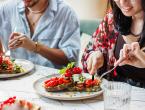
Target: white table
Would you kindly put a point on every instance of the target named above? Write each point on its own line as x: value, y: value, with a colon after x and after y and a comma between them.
x: 22, y: 87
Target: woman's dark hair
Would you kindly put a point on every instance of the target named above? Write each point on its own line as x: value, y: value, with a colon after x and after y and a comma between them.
x: 123, y: 23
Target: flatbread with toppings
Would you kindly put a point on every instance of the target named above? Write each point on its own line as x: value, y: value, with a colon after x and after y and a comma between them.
x: 72, y: 79
x: 8, y: 66
x: 14, y: 104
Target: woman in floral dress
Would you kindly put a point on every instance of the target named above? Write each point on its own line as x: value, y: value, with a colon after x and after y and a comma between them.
x: 121, y: 35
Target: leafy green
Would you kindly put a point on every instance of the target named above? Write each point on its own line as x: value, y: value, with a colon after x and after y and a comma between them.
x: 13, y: 60
x: 4, y: 66
x: 79, y: 78
x: 69, y: 65
x: 18, y: 69
x: 82, y: 79
x: 62, y: 71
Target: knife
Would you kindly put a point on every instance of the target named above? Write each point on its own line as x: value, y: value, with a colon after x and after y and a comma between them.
x: 93, y: 77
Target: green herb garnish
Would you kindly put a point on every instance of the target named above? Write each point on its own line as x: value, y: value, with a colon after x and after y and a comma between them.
x: 69, y: 65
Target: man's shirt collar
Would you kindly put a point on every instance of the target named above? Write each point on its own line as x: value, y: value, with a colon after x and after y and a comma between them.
x: 52, y: 5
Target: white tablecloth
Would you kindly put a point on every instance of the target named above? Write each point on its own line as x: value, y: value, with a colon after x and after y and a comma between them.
x: 22, y: 87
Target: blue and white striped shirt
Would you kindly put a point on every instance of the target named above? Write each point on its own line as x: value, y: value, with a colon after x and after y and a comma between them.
x: 58, y: 27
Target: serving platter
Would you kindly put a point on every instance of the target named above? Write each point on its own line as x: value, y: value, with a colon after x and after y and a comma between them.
x: 62, y: 95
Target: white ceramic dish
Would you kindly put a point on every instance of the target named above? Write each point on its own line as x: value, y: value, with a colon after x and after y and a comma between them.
x: 38, y: 86
x: 28, y: 66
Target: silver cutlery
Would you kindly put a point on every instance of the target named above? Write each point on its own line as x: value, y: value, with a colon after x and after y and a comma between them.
x: 109, y: 71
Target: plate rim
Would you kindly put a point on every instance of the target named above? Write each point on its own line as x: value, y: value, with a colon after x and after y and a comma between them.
x: 62, y: 98
x: 3, y: 76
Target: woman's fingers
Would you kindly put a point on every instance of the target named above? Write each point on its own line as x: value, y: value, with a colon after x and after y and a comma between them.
x: 120, y: 58
x: 135, y: 47
x: 127, y: 54
x: 95, y: 61
x: 89, y: 64
x: 131, y: 54
x: 126, y: 49
x: 94, y: 67
x: 137, y: 52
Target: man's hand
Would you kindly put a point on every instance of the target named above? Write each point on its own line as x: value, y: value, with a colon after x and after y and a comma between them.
x: 20, y: 40
x: 95, y: 61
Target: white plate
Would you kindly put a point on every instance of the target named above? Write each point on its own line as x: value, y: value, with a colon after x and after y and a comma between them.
x: 38, y: 86
x: 28, y: 66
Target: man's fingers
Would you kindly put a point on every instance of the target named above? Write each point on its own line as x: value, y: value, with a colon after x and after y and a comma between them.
x: 14, y: 34
x: 15, y: 42
x: 12, y: 42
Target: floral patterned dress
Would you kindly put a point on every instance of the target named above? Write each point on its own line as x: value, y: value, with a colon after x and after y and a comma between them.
x: 103, y: 39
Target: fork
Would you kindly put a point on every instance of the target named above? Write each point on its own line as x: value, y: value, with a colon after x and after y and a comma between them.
x: 109, y: 71
x: 5, y: 50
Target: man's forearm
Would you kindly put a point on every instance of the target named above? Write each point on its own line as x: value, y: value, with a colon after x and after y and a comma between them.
x: 1, y: 47
x: 56, y: 56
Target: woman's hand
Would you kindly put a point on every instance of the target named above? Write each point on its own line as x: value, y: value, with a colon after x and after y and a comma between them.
x: 20, y: 40
x: 95, y: 61
x: 132, y: 55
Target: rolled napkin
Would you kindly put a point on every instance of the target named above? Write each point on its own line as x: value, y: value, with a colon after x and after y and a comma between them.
x: 14, y: 104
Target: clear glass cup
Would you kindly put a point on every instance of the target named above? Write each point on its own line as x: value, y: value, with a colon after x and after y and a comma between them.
x: 117, y: 95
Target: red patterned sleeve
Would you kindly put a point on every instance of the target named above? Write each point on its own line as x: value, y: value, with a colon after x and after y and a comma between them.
x: 103, y: 39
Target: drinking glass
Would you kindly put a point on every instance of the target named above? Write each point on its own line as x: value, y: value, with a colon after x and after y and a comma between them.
x: 117, y: 95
